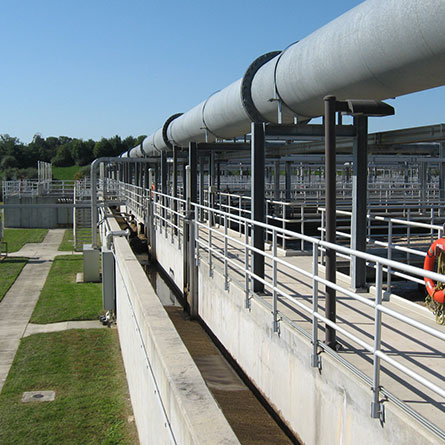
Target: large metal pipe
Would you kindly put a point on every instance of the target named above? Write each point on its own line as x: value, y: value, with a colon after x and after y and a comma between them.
x: 380, y: 49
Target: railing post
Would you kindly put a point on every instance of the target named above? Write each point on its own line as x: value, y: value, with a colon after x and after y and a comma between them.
x: 246, y: 266
x: 190, y: 233
x: 389, y: 270
x: 377, y: 408
x: 276, y: 325
x: 209, y: 225
x: 315, y: 359
x: 226, y: 278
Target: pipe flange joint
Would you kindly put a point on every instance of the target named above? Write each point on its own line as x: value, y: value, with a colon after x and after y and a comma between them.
x: 279, y: 97
x: 165, y: 127
x: 246, y: 86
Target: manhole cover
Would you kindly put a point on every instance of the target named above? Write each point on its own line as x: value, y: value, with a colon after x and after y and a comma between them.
x: 38, y: 396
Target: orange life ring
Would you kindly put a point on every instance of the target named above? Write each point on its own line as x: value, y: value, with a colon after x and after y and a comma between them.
x: 437, y: 295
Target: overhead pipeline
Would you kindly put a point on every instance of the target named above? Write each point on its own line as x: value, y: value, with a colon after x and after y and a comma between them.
x: 380, y: 49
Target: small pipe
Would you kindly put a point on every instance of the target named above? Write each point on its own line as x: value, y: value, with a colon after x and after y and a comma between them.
x: 110, y: 235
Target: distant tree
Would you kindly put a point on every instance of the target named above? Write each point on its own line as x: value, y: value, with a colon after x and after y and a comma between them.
x: 40, y: 146
x: 63, y: 157
x: 82, y: 151
x: 103, y: 148
x: 28, y: 173
x: 118, y: 146
x: 8, y: 161
x: 129, y: 142
x: 64, y: 140
x: 9, y: 145
x: 140, y: 139
x: 47, y: 147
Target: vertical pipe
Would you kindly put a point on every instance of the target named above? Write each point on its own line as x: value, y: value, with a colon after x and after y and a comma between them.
x: 441, y: 178
x: 192, y: 285
x: 257, y: 199
x: 164, y: 186
x: 175, y: 188
x: 276, y: 327
x: 93, y: 205
x: 330, y: 172
x: 201, y: 187
x: 376, y: 409
x: 315, y: 358
x: 151, y: 218
x: 277, y: 180
x: 288, y: 179
x: 359, y: 200
x: 212, y: 181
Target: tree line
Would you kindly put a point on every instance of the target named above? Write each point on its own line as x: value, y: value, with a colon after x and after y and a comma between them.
x: 20, y: 160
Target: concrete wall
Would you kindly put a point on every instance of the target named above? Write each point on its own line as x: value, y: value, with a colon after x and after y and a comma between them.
x: 331, y: 406
x: 37, y: 217
x: 171, y: 402
x: 170, y: 257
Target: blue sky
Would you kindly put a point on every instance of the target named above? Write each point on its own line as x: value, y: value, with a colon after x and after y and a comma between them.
x: 97, y: 68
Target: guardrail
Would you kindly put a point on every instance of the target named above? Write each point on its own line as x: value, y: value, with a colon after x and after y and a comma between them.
x: 213, y: 246
x: 33, y: 188
x: 232, y: 256
x: 394, y: 235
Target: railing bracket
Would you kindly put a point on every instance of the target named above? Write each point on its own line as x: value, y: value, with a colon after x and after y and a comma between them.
x: 316, y: 361
x: 378, y: 411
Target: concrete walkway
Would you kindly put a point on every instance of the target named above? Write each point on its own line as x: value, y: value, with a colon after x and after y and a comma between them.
x: 18, y: 304
x: 62, y: 326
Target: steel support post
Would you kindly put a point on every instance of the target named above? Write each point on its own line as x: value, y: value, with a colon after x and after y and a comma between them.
x: 359, y: 201
x: 276, y: 180
x: 257, y: 198
x: 147, y: 184
x: 175, y: 187
x: 211, y: 187
x: 218, y: 176
x: 201, y: 187
x: 442, y: 179
x: 330, y: 174
x: 164, y: 184
x: 422, y: 179
x: 189, y: 247
x: 151, y: 219
x: 288, y: 179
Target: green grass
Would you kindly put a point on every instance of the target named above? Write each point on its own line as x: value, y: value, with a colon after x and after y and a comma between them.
x: 65, y: 173
x: 85, y: 369
x: 17, y: 238
x: 10, y: 269
x: 62, y: 299
x: 67, y: 243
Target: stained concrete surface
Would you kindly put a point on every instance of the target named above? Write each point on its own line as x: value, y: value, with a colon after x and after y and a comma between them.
x: 248, y: 418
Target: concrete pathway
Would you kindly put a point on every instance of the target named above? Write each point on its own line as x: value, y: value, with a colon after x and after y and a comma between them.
x: 62, y: 326
x: 19, y: 302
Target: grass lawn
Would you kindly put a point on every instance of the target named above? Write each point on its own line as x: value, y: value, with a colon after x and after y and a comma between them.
x: 17, y: 238
x: 67, y: 242
x: 65, y: 173
x: 84, y: 368
x: 10, y: 269
x: 62, y: 299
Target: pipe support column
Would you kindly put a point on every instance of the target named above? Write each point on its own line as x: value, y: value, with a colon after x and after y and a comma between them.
x: 330, y: 172
x: 359, y: 201
x: 257, y: 199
